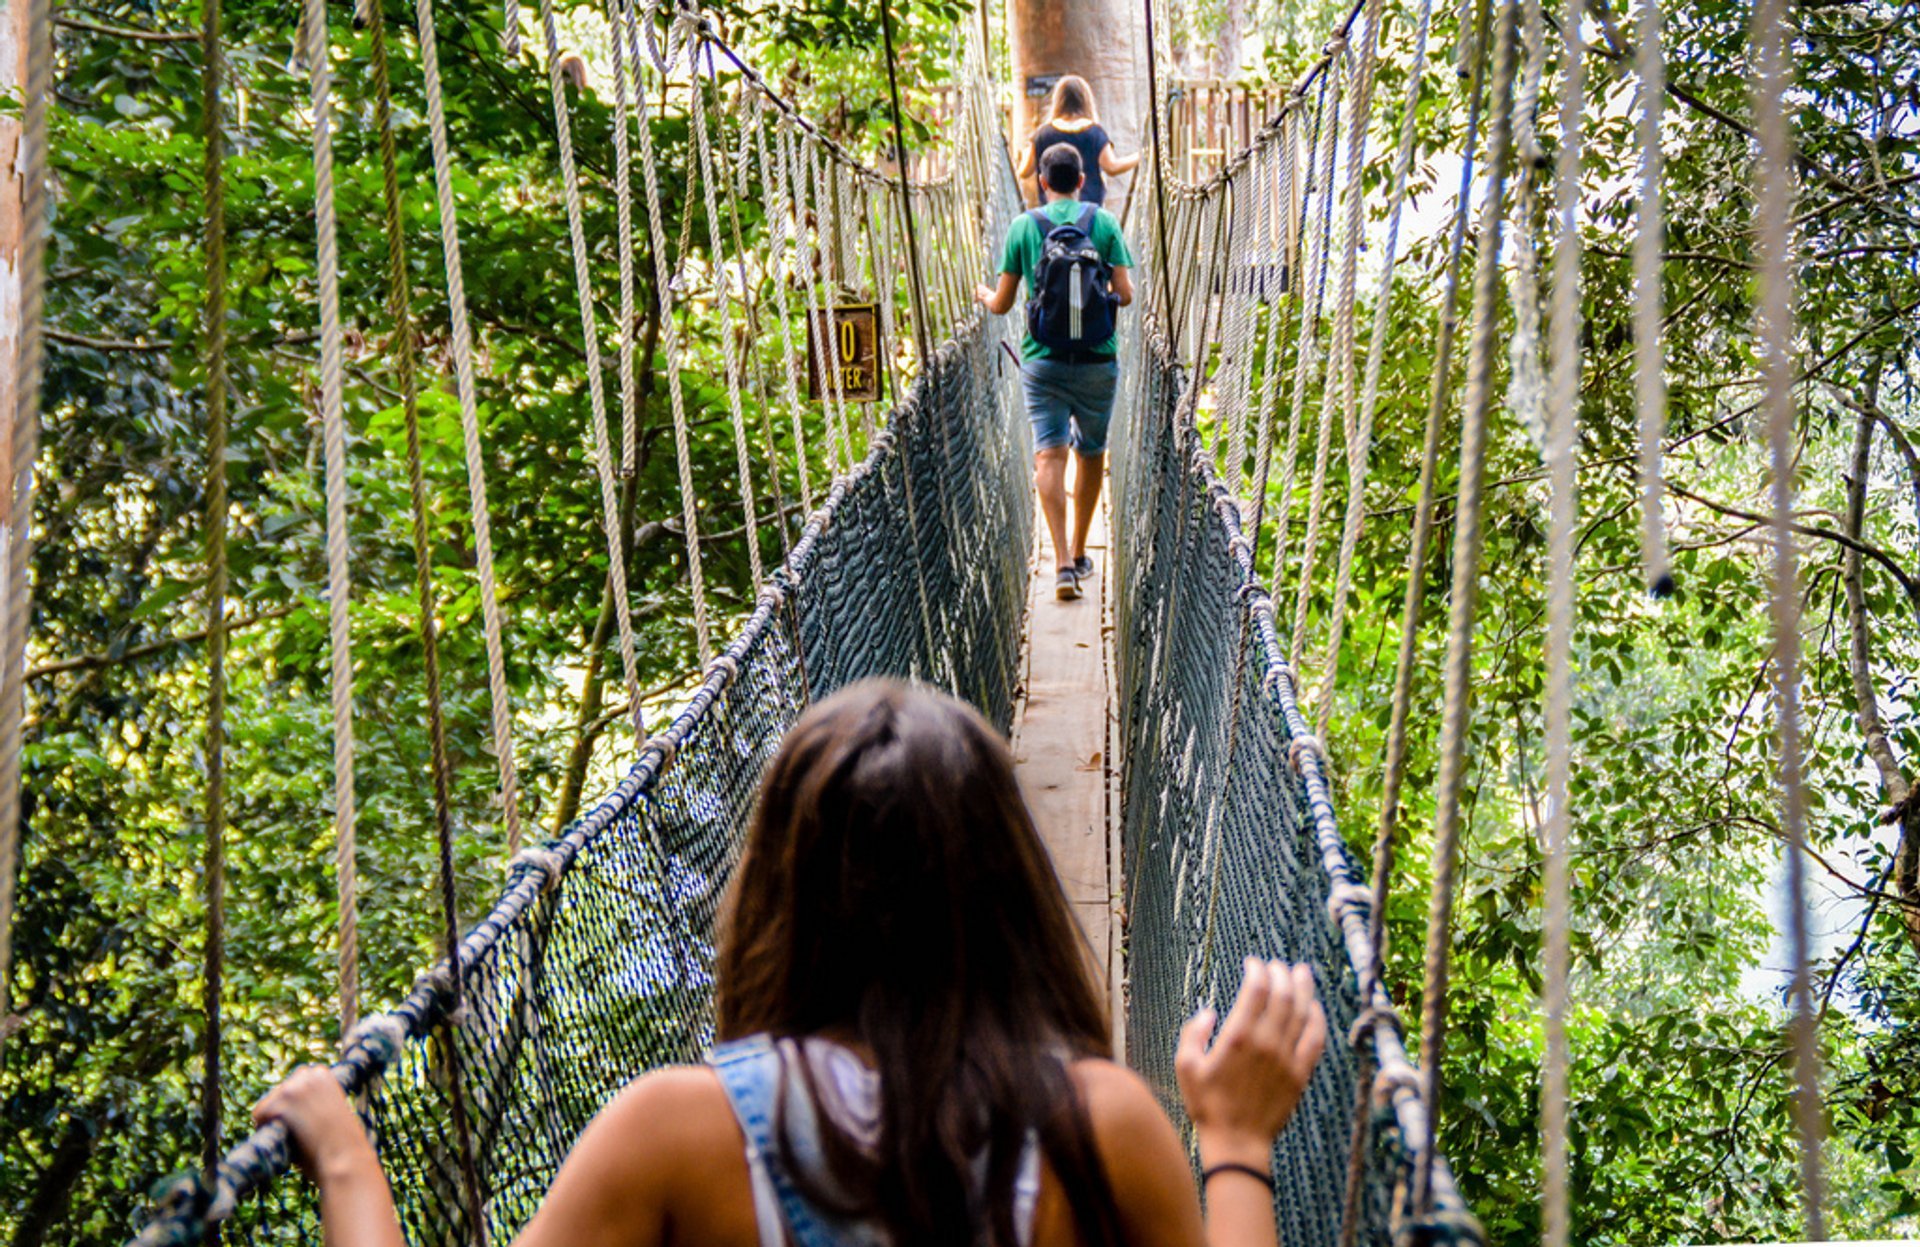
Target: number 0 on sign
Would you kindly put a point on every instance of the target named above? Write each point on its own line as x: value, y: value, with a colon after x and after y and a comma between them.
x: 852, y: 346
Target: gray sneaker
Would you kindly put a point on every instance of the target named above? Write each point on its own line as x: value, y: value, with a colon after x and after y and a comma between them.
x: 1083, y: 566
x: 1066, y: 585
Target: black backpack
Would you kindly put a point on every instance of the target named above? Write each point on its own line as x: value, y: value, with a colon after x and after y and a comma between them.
x: 1072, y: 308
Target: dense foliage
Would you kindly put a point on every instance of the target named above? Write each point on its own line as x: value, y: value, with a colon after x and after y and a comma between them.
x: 1680, y: 1122
x: 100, y: 1075
x: 1680, y: 1125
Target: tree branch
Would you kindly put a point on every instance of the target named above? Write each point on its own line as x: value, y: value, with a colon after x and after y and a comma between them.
x: 128, y: 32
x: 1855, y: 544
x: 108, y: 658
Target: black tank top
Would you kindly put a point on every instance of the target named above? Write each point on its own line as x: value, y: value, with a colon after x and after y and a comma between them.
x: 1089, y: 142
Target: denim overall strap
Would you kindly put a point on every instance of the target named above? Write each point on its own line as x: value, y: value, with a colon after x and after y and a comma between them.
x: 749, y: 1071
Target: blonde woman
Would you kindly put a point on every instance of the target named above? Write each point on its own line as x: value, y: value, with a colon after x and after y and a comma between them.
x: 1073, y: 120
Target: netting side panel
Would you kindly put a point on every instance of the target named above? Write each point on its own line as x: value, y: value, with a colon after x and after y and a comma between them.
x: 596, y: 963
x: 1221, y: 853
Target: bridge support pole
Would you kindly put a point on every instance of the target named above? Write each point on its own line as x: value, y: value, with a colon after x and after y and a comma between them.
x: 1103, y: 42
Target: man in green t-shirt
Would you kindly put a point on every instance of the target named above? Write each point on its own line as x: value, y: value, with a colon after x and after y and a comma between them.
x: 1069, y: 395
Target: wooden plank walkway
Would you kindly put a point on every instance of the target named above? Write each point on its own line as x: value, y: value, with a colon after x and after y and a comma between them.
x: 1060, y: 736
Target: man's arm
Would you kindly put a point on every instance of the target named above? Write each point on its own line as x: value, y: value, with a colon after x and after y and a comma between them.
x: 1123, y: 285
x: 998, y: 299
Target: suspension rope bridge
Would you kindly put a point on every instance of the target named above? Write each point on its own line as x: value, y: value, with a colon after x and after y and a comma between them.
x: 594, y: 963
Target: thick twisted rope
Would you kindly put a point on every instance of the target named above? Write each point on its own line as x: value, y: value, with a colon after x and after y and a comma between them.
x: 333, y: 426
x: 663, y: 289
x: 24, y: 447
x: 1309, y: 286
x: 774, y: 180
x: 1563, y: 436
x: 1373, y: 973
x: 1285, y: 300
x: 500, y: 699
x: 623, y: 210
x: 1279, y: 242
x: 214, y: 346
x: 1773, y: 227
x: 723, y: 299
x: 596, y: 396
x: 400, y: 309
x: 1467, y: 543
x: 1322, y: 363
x: 1360, y: 445
x: 1649, y: 244
x: 751, y: 109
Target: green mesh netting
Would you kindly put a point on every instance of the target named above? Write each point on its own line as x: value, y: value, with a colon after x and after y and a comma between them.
x: 595, y: 964
x: 1230, y: 850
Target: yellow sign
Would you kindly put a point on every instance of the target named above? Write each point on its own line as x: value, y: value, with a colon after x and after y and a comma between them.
x: 852, y: 347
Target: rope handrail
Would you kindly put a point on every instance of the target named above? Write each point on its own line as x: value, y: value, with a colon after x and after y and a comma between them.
x: 187, y: 1205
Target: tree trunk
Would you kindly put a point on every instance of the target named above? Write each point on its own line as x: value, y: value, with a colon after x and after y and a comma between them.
x: 1104, y: 42
x: 1899, y: 790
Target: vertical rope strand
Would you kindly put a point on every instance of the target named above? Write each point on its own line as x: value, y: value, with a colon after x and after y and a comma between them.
x: 623, y: 209
x: 1467, y: 543
x: 1314, y: 362
x: 663, y: 289
x: 214, y: 348
x: 1773, y: 216
x: 24, y: 442
x: 333, y: 426
x: 596, y: 395
x: 723, y: 299
x: 780, y: 204
x: 500, y: 698
x: 1649, y: 349
x: 400, y: 310
x: 1563, y: 437
x: 1360, y: 447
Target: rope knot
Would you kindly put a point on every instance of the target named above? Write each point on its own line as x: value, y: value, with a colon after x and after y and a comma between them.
x: 668, y: 746
x: 727, y: 663
x: 382, y: 1037
x: 1335, y: 46
x: 1393, y: 1079
x: 1346, y: 898
x: 541, y: 858
x: 1370, y: 1019
x: 1303, y: 744
x: 1270, y: 682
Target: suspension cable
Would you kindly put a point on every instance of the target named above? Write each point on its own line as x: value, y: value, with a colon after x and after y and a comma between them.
x: 1773, y: 215
x: 339, y: 584
x: 1649, y: 245
x: 1467, y: 545
x: 1563, y: 436
x: 663, y: 289
x: 500, y: 699
x: 214, y: 345
x: 400, y: 310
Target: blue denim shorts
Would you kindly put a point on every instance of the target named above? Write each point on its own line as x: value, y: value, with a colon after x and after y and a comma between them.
x: 1069, y: 404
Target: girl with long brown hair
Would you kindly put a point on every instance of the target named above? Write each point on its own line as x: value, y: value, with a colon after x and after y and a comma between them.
x: 913, y: 1047
x: 1072, y: 119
